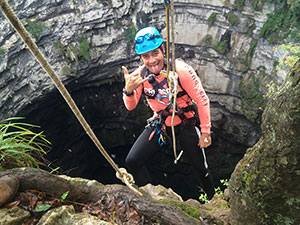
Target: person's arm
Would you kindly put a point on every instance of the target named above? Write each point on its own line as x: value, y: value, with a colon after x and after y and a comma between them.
x: 191, y: 83
x: 132, y: 100
x: 133, y: 88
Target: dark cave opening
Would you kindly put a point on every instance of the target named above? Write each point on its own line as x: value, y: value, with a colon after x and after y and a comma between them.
x: 116, y: 128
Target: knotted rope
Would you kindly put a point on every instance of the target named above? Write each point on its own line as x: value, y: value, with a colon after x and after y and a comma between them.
x: 173, y: 87
x: 23, y: 33
x: 172, y: 77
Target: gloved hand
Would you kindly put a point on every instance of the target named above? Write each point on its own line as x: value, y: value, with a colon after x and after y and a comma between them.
x: 204, y: 141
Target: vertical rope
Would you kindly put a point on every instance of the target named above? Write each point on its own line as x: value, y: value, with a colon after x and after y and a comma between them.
x: 173, y: 78
x: 175, y: 82
x: 173, y: 33
x: 21, y: 30
x: 168, y: 40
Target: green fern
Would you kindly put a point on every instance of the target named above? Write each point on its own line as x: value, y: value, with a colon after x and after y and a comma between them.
x: 19, y: 146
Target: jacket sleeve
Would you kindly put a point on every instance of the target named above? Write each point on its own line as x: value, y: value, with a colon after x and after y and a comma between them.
x: 191, y: 83
x: 132, y: 101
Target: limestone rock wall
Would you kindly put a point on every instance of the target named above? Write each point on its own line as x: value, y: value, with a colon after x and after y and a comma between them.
x: 87, y: 41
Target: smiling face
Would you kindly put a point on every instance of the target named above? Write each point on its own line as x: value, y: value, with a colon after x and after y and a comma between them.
x: 154, y: 60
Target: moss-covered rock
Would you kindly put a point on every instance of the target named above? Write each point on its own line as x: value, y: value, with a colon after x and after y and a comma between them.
x: 13, y: 216
x: 253, y: 99
x: 263, y: 187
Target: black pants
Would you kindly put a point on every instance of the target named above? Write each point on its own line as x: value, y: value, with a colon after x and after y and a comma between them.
x: 143, y: 149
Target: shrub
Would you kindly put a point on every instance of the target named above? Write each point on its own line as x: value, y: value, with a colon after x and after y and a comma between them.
x: 232, y: 18
x: 2, y: 52
x: 35, y: 28
x: 19, y: 146
x: 130, y: 33
x: 283, y: 23
x: 221, y: 47
x: 211, y: 19
x: 289, y: 61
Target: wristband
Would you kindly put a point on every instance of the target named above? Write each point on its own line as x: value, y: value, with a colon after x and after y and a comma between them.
x: 126, y: 93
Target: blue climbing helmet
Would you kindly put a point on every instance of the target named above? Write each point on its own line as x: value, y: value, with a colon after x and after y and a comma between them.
x: 147, y: 39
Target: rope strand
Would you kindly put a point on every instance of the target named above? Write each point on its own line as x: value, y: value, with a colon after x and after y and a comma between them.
x: 172, y: 77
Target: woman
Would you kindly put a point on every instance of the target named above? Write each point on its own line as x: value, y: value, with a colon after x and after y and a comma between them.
x: 150, y: 80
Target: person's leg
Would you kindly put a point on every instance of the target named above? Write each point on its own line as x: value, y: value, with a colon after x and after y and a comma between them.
x: 189, y: 137
x: 139, y: 154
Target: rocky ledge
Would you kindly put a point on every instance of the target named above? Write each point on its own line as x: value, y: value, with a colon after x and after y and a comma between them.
x: 88, y: 201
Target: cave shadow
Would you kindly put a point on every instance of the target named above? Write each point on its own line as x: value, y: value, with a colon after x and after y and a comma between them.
x: 117, y: 129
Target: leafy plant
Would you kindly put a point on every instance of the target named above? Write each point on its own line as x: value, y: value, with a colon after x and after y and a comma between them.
x: 283, y: 23
x: 203, y: 198
x: 42, y: 207
x: 251, y: 27
x: 218, y: 190
x: 225, y: 182
x: 293, y: 202
x: 272, y: 87
x: 279, y: 219
x: 54, y: 170
x: 289, y: 61
x: 84, y: 48
x: 258, y: 4
x: 35, y: 28
x: 130, y: 33
x: 211, y: 19
x: 208, y: 40
x: 221, y: 47
x: 45, y: 207
x: 19, y: 146
x: 240, y: 4
x: 74, y: 51
x: 60, y: 48
x: 2, y: 52
x: 232, y: 18
x: 252, y: 46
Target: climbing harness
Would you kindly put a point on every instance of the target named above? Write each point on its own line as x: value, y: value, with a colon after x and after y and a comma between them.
x: 155, y: 86
x: 121, y: 173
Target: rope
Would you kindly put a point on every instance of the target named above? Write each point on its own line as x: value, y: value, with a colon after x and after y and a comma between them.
x: 172, y: 77
x: 173, y: 86
x: 168, y: 38
x: 21, y: 30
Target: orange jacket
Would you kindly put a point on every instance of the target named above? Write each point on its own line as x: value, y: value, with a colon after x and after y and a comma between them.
x: 190, y: 82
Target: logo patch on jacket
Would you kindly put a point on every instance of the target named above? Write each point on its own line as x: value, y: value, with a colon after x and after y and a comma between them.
x: 163, y: 92
x: 149, y: 91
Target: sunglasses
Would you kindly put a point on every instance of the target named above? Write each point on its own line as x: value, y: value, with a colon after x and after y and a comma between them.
x: 148, y: 37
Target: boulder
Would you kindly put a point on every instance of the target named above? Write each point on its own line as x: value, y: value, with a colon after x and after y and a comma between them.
x: 13, y: 216
x: 9, y: 185
x: 66, y: 215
